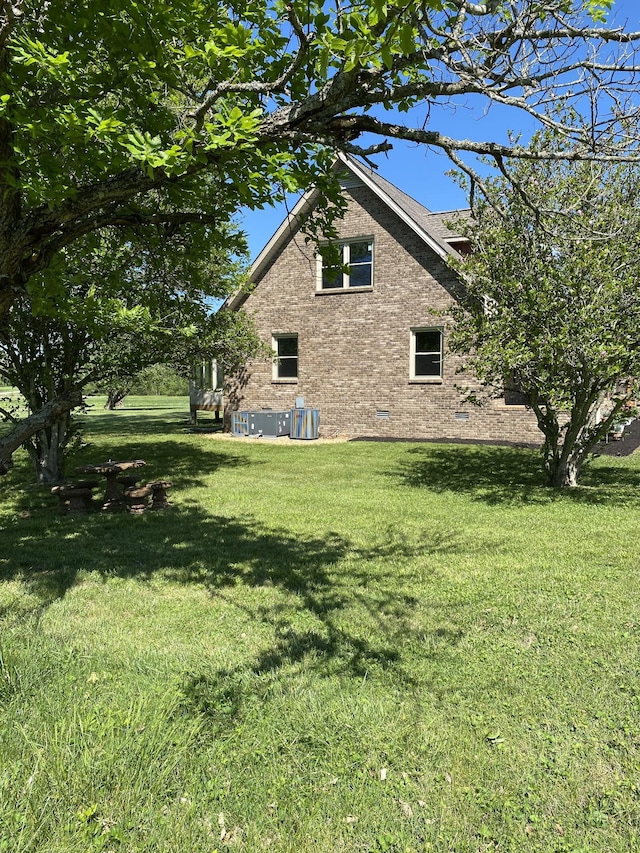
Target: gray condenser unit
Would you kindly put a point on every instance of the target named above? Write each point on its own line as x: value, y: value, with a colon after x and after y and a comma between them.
x: 269, y: 422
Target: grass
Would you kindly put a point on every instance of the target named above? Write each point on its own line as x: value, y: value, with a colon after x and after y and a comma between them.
x: 320, y: 647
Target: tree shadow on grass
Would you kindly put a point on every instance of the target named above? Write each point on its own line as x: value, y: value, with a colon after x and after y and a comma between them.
x: 603, y: 483
x: 324, y: 618
x: 141, y: 421
x: 488, y: 473
x: 495, y: 474
x: 182, y: 463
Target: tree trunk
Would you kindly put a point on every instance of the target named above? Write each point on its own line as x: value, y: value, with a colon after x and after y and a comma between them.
x: 566, y: 472
x: 46, y: 450
x: 36, y: 422
x: 6, y: 298
x: 563, y: 462
x: 115, y: 397
x: 566, y: 449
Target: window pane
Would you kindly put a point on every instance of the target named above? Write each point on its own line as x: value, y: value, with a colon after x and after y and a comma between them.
x: 428, y: 365
x: 287, y: 346
x: 288, y: 368
x: 360, y: 276
x: 331, y: 277
x: 360, y: 252
x: 428, y: 341
x: 357, y: 269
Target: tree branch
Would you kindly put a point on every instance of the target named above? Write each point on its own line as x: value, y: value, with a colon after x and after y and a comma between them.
x: 28, y: 427
x: 255, y: 87
x: 10, y: 12
x: 369, y: 124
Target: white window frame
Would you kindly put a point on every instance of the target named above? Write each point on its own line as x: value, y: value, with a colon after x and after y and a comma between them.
x: 275, y: 339
x: 345, y: 248
x: 425, y: 377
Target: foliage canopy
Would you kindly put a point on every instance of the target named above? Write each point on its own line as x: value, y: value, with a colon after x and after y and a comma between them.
x: 111, y: 112
x: 112, y: 308
x: 553, y: 305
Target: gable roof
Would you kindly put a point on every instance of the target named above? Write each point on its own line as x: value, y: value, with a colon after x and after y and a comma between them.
x: 429, y: 226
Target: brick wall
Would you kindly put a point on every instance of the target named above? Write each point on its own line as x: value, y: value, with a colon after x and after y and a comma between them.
x: 354, y: 346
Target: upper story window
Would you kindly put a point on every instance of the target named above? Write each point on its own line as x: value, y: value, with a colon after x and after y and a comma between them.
x: 286, y: 364
x: 426, y: 354
x: 354, y: 270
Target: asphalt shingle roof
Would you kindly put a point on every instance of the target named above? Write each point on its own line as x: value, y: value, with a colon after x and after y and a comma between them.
x: 440, y: 225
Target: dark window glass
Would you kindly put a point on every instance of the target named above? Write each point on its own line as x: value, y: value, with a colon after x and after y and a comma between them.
x: 428, y: 355
x: 428, y: 365
x: 287, y: 346
x: 331, y: 277
x: 515, y: 398
x: 288, y: 368
x: 287, y: 358
x: 360, y: 253
x: 360, y: 276
x: 428, y: 341
x: 513, y: 393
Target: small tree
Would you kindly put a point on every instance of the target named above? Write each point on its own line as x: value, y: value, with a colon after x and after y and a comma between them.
x: 553, y: 304
x: 159, y: 379
x: 118, y: 309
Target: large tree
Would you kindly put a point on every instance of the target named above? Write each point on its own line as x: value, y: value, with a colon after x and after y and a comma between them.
x: 109, y: 105
x: 553, y: 305
x: 112, y: 112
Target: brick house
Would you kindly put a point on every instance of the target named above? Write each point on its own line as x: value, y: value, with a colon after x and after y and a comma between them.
x: 367, y: 349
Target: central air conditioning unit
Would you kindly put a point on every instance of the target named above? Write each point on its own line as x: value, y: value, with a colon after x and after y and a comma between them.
x: 296, y: 423
x: 268, y: 422
x: 305, y: 423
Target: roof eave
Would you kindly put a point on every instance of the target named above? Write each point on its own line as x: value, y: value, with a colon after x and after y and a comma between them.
x: 443, y: 250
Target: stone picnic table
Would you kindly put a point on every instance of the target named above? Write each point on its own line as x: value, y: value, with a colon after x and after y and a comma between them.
x: 114, y: 495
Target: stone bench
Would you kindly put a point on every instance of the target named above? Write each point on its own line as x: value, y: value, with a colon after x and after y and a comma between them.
x: 75, y: 497
x: 137, y: 498
x: 159, y: 489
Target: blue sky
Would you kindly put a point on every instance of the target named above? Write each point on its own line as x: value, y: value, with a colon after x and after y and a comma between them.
x: 421, y: 172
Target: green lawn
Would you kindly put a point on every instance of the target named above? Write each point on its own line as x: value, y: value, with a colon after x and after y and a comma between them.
x: 320, y: 647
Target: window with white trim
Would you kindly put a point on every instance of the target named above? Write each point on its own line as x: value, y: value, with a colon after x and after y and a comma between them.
x: 426, y: 353
x: 286, y: 364
x: 353, y: 268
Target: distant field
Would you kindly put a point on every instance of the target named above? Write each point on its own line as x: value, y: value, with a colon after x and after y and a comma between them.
x: 353, y: 647
x: 8, y: 397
